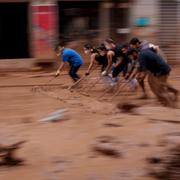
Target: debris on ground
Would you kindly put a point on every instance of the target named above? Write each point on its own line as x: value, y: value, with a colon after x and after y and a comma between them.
x: 7, y: 157
x: 127, y: 107
x: 107, y: 149
x: 154, y: 160
x: 106, y: 139
x: 167, y: 167
x: 165, y: 120
x: 112, y: 125
x: 54, y: 116
x: 106, y: 145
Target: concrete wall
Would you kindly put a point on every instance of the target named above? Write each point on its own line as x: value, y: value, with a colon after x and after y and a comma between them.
x: 139, y: 9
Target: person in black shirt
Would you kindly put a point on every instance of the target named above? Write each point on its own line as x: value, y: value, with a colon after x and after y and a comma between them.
x: 102, y: 58
x: 158, y: 72
x: 98, y: 55
x: 113, y: 55
x: 122, y: 64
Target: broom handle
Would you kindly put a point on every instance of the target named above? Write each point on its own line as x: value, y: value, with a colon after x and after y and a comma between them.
x: 120, y: 88
x: 77, y: 82
x: 82, y: 78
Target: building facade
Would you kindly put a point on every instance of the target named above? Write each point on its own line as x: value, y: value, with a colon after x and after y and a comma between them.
x: 29, y: 29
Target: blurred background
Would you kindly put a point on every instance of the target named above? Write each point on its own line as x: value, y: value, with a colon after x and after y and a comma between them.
x: 29, y: 29
x: 94, y: 137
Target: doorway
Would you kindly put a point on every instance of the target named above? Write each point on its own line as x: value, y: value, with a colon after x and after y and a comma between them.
x: 14, y: 30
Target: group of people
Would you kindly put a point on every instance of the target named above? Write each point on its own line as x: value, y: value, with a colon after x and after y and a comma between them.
x: 131, y: 61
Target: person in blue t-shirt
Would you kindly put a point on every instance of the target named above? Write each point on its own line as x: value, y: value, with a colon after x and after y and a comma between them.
x: 158, y: 71
x: 72, y: 57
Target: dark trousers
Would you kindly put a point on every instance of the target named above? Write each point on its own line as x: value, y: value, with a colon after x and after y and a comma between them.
x: 103, y: 67
x: 73, y: 72
x: 117, y: 70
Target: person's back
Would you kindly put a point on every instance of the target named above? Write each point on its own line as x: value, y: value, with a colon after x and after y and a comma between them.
x: 101, y: 59
x: 142, y: 45
x: 117, y: 53
x: 152, y: 62
x: 71, y: 56
x: 157, y: 76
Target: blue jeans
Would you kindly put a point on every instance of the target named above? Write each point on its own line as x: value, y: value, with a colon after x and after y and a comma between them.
x: 73, y: 72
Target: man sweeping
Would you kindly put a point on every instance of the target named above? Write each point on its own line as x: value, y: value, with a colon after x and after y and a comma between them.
x: 72, y: 57
x: 158, y: 72
x: 142, y: 45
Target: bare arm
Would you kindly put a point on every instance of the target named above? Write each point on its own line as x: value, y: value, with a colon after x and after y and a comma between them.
x: 60, y: 68
x: 110, y: 55
x: 133, y: 73
x: 119, y: 61
x: 92, y: 59
x: 141, y: 75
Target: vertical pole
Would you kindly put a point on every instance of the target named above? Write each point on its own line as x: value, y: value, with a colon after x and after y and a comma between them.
x: 104, y: 19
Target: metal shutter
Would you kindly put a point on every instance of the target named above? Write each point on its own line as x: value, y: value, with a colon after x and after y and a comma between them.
x: 169, y: 28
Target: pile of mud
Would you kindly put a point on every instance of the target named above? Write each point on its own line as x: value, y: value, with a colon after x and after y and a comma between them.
x: 167, y: 167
